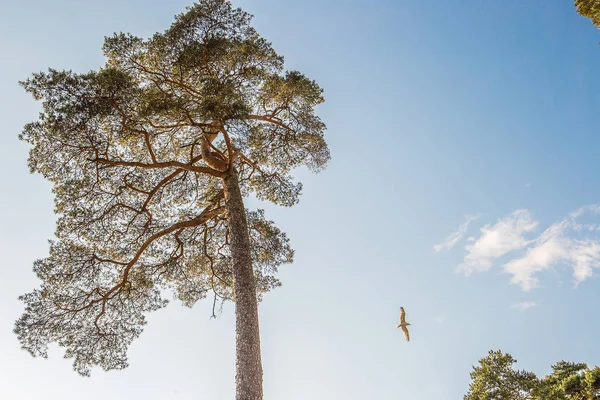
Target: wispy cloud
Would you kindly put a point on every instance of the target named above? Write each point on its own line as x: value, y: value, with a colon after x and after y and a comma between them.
x: 451, y: 240
x: 557, y: 244
x: 497, y: 240
x: 593, y: 208
x: 549, y: 247
x: 440, y: 319
x: 527, y: 185
x: 572, y: 242
x: 525, y: 305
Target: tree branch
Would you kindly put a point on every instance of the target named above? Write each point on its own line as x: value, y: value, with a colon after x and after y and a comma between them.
x: 159, y: 165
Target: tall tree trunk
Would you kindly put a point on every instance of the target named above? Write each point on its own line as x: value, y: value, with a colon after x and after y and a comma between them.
x: 249, y: 374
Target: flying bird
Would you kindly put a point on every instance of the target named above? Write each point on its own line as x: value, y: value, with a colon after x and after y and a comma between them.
x: 403, y: 324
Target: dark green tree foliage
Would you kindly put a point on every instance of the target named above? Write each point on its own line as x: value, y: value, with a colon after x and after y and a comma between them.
x: 496, y: 379
x: 570, y: 381
x: 149, y: 158
x: 590, y: 9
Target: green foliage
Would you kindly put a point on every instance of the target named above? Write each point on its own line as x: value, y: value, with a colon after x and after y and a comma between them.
x: 590, y: 9
x: 140, y: 211
x: 496, y: 379
x: 570, y: 381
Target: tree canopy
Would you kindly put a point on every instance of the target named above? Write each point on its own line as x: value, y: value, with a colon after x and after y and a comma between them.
x: 589, y: 9
x: 147, y: 156
x: 496, y: 379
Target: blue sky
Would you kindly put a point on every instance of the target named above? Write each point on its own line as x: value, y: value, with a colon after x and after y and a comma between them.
x: 437, y: 112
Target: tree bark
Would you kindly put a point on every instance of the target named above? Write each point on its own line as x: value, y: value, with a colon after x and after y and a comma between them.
x: 249, y: 374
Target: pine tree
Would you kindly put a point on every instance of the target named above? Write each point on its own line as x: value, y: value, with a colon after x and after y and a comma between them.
x: 150, y: 158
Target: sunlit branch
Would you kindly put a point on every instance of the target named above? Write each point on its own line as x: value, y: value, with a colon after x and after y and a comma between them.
x: 159, y: 165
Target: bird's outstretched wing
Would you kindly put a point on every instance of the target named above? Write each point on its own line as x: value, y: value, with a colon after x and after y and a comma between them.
x: 402, y: 316
x: 406, y: 334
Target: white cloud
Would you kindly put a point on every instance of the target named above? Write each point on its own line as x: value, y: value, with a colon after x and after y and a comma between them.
x: 528, y: 185
x: 452, y: 239
x: 595, y: 208
x: 524, y: 305
x: 497, y: 240
x: 440, y: 319
x: 555, y: 245
x: 549, y: 247
x: 573, y: 242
